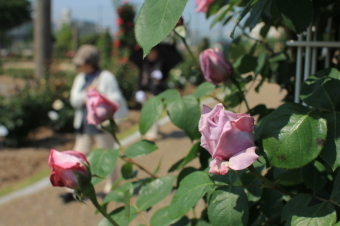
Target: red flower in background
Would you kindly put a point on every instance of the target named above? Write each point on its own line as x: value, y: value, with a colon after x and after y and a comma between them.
x: 120, y: 21
x: 116, y: 43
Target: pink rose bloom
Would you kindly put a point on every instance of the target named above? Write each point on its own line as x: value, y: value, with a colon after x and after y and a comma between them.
x: 215, y: 67
x: 99, y: 108
x: 63, y: 166
x: 229, y: 139
x: 202, y: 5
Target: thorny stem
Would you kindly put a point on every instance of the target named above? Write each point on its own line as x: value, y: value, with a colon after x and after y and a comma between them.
x: 241, y: 93
x: 266, y: 182
x: 139, y: 166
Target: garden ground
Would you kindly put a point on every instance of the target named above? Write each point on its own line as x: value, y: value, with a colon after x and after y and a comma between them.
x: 46, y: 208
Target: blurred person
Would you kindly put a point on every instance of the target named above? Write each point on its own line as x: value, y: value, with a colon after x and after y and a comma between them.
x: 153, y: 74
x: 92, y: 77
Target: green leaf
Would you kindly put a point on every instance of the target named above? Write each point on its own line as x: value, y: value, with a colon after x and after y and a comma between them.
x: 102, y: 163
x: 155, y: 21
x: 315, y: 176
x: 155, y: 192
x: 215, y: 7
x: 222, y: 12
x: 160, y: 218
x: 253, y: 192
x: 119, y: 216
x: 190, y: 156
x: 297, y: 15
x: 298, y: 212
x: 322, y: 90
x: 204, y: 89
x: 228, y: 205
x: 245, y: 11
x: 191, y: 189
x: 185, y: 113
x: 169, y: 95
x: 331, y: 151
x: 298, y: 202
x: 292, y: 136
x: 335, y: 196
x: 150, y: 113
x: 184, y: 172
x: 140, y: 148
x: 229, y: 179
x: 256, y: 13
x: 118, y: 194
x: 286, y: 177
x: 271, y: 203
x: 245, y: 64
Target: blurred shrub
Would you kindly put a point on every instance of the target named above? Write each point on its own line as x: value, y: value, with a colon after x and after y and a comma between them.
x: 29, y: 109
x: 24, y: 113
x: 18, y: 72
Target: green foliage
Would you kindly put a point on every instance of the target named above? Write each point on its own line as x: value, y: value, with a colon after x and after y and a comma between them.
x: 14, y: 13
x: 293, y: 135
x: 24, y: 113
x: 155, y: 21
x: 64, y: 38
x: 102, y: 163
x: 295, y: 180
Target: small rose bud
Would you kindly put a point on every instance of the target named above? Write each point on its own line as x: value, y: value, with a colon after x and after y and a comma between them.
x: 65, y: 165
x: 215, y: 67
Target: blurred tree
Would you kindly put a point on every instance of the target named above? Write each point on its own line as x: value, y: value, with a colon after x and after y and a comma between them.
x: 63, y: 38
x: 104, y: 45
x: 14, y: 13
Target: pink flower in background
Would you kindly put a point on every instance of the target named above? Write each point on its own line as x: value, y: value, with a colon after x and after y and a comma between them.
x: 120, y: 21
x: 99, y: 108
x: 215, y: 67
x: 63, y: 166
x: 228, y: 137
x: 202, y: 5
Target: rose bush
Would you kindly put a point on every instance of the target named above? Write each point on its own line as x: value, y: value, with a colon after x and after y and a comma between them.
x: 228, y: 137
x: 99, y: 108
x: 64, y: 165
x: 215, y: 67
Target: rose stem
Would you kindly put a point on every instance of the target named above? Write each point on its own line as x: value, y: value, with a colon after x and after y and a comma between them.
x: 241, y: 91
x: 188, y: 48
x: 267, y: 183
x: 139, y: 166
x: 90, y: 193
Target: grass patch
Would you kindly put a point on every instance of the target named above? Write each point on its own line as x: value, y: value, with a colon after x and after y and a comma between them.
x: 24, y: 183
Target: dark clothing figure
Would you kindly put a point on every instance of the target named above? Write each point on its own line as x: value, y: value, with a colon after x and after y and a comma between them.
x: 152, y: 77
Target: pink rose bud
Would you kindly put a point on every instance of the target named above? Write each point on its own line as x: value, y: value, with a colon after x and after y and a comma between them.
x: 64, y: 165
x: 99, y: 108
x: 202, y: 5
x: 229, y: 138
x: 215, y: 67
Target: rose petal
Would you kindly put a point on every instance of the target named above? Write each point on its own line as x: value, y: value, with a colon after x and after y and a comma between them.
x: 245, y: 123
x: 232, y: 141
x: 243, y: 159
x: 219, y: 167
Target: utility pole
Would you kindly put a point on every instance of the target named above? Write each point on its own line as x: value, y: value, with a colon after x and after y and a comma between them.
x: 42, y: 37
